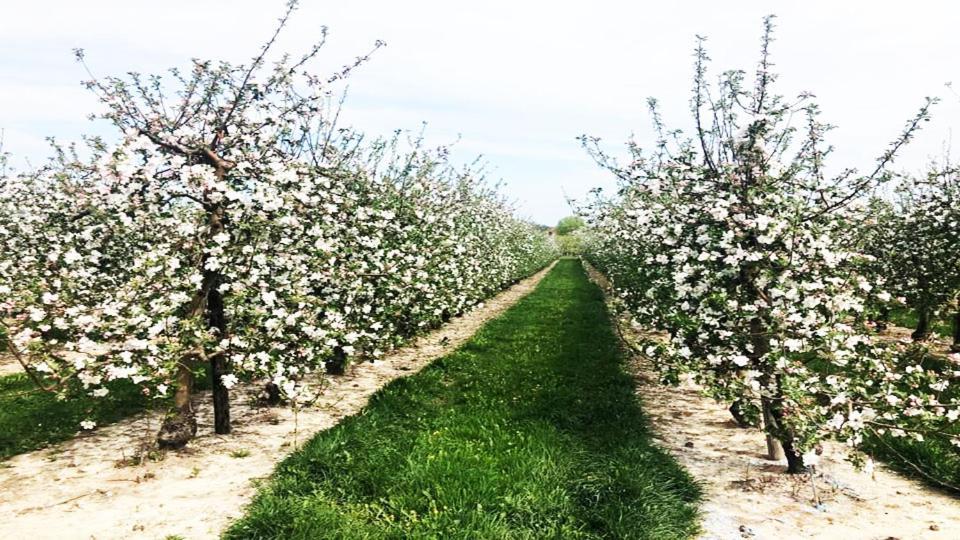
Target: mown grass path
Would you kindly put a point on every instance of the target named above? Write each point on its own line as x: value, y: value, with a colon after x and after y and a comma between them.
x: 530, y: 430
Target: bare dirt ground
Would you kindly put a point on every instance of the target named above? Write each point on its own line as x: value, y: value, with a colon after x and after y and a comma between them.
x: 748, y: 496
x: 110, y: 484
x: 8, y: 365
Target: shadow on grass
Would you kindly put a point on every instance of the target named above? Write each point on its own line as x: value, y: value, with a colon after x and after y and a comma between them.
x: 31, y: 419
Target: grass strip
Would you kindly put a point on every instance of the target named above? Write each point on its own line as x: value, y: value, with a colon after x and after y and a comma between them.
x: 531, y: 429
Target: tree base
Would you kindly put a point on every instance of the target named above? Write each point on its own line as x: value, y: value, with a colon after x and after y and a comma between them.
x: 338, y: 364
x: 177, y: 430
x: 743, y: 415
x: 271, y: 394
x: 796, y: 467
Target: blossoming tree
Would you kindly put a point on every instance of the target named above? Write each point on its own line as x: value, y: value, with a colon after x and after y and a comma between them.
x: 915, y: 242
x: 736, y: 241
x: 235, y: 229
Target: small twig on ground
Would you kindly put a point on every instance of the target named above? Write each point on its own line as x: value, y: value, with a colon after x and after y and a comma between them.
x: 813, y: 484
x: 67, y: 501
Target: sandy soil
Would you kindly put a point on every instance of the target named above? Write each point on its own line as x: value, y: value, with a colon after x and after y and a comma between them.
x: 111, y: 484
x: 748, y: 496
x: 936, y: 344
x: 8, y: 365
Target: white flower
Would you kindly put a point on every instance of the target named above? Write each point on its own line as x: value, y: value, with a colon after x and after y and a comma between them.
x: 71, y: 256
x: 793, y: 344
x: 269, y: 297
x: 228, y: 381
x: 88, y: 424
x: 740, y: 360
x: 762, y: 222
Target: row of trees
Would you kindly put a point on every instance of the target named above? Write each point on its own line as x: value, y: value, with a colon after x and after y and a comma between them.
x: 234, y: 228
x: 567, y: 234
x: 757, y: 263
x: 914, y: 239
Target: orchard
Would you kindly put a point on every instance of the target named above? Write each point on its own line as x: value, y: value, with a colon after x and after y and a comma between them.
x: 228, y: 271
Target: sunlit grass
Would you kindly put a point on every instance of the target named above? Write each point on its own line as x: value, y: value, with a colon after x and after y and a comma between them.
x: 530, y: 430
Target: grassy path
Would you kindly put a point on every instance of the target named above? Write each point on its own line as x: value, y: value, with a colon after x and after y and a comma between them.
x: 530, y: 430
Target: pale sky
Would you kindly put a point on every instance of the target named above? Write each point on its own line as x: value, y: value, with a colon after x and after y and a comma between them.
x: 516, y: 81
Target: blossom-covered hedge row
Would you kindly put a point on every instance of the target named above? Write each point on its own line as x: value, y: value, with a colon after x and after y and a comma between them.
x: 913, y: 236
x: 738, y: 245
x: 234, y: 226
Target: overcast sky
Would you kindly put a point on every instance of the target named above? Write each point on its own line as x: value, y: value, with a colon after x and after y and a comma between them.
x: 516, y: 81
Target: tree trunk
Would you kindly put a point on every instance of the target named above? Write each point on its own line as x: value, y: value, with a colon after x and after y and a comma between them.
x: 883, y: 319
x: 923, y: 325
x: 774, y: 448
x: 778, y: 435
x: 181, y: 425
x: 739, y: 411
x: 780, y: 440
x: 271, y: 394
x: 956, y: 331
x: 207, y: 304
x: 218, y: 367
x: 338, y: 364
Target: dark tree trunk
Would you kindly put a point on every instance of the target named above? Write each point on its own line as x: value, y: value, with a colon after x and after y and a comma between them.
x: 883, y: 319
x: 338, y: 364
x: 207, y: 305
x: 780, y: 439
x: 743, y: 413
x: 181, y: 425
x: 774, y: 423
x: 736, y: 410
x: 760, y: 340
x: 271, y: 394
x: 956, y: 331
x: 923, y: 325
x: 218, y: 367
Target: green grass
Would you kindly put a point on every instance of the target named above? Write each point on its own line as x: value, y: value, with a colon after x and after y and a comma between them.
x: 530, y: 430
x: 935, y: 459
x: 31, y: 419
x: 907, y: 318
